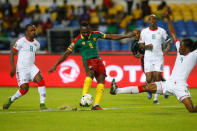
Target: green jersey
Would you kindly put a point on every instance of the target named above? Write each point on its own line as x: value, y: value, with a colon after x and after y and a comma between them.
x: 87, y: 47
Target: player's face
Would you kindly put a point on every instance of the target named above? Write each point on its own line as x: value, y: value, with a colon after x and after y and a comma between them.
x: 152, y: 21
x: 31, y: 32
x: 183, y: 49
x: 85, y: 31
x: 136, y: 34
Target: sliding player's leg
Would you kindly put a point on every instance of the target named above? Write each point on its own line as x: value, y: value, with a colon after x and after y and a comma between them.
x: 41, y: 89
x: 152, y: 88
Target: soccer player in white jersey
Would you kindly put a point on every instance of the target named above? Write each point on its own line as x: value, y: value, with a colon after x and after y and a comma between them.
x: 154, y: 36
x: 26, y: 70
x: 177, y: 83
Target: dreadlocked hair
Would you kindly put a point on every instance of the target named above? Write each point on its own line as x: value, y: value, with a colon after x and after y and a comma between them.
x: 190, y: 44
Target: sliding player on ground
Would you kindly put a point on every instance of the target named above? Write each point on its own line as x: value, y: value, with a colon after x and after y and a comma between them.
x: 177, y: 83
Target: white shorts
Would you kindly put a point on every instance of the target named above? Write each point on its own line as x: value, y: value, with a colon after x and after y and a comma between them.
x: 26, y: 75
x: 171, y: 88
x: 153, y: 65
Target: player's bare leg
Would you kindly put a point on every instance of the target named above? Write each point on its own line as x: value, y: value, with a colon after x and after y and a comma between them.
x: 99, y: 92
x: 189, y: 105
x: 22, y: 91
x: 163, y: 79
x: 157, y: 77
x: 41, y: 89
x: 152, y: 88
x: 149, y: 79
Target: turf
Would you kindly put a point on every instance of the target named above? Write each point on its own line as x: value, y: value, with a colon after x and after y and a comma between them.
x: 122, y: 112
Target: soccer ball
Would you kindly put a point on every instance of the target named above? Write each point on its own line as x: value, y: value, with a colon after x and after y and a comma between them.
x: 86, y: 100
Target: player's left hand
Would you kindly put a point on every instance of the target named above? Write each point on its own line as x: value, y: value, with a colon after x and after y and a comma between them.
x: 52, y: 69
x: 12, y: 72
x: 137, y: 55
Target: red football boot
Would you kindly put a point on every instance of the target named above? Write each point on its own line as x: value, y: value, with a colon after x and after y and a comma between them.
x: 97, y: 107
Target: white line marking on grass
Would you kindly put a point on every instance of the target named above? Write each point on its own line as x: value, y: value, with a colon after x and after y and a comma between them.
x: 143, y: 107
x: 120, y: 108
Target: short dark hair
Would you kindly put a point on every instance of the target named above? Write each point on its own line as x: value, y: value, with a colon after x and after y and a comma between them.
x: 28, y: 26
x: 85, y: 24
x: 190, y: 44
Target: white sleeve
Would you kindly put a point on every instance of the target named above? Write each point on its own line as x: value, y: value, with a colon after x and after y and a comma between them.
x: 195, y: 52
x: 166, y: 38
x: 142, y: 41
x: 17, y: 45
x: 38, y: 46
x: 177, y: 43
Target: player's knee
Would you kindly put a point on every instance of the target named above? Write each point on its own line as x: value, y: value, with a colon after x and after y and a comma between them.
x: 23, y: 91
x: 157, y: 78
x: 148, y: 80
x: 41, y: 83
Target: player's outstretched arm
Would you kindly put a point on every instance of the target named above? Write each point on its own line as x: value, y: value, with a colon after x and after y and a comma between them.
x: 170, y: 26
x: 61, y: 59
x: 13, y: 68
x: 119, y: 36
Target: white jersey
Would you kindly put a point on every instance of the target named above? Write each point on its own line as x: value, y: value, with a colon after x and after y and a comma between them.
x: 26, y: 52
x: 183, y: 66
x: 156, y: 38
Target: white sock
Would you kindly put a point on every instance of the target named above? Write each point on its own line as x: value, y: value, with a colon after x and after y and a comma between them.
x: 128, y: 90
x: 156, y: 97
x: 42, y: 92
x: 16, y: 96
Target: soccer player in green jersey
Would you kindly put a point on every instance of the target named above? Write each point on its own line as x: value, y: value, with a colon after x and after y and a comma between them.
x: 86, y: 43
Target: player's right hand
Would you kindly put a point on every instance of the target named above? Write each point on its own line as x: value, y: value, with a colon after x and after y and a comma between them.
x: 149, y: 47
x: 166, y: 13
x: 52, y: 69
x: 137, y: 55
x: 12, y: 72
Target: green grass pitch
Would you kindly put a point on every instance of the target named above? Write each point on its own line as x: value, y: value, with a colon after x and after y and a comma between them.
x: 122, y: 112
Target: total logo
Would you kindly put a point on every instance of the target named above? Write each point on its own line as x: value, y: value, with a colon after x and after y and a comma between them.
x: 69, y: 71
x: 132, y: 73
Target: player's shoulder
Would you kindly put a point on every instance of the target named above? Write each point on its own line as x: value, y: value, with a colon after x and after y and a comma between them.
x: 195, y: 52
x: 161, y: 29
x: 177, y: 41
x: 21, y: 39
x: 145, y: 29
x: 96, y: 32
x: 76, y: 38
x: 35, y: 40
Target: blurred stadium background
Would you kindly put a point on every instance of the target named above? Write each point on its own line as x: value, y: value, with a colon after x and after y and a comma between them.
x: 57, y: 23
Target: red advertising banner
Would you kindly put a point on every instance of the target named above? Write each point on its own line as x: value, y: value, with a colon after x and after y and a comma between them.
x: 126, y: 69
